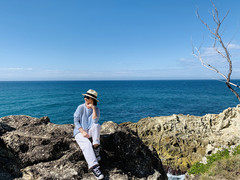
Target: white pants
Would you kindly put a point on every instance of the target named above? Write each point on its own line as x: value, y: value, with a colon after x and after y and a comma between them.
x: 86, y: 145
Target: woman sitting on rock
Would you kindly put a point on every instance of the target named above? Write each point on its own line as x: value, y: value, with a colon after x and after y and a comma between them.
x: 86, y: 124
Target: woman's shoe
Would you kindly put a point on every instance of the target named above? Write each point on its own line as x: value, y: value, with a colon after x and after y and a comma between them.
x: 97, y: 172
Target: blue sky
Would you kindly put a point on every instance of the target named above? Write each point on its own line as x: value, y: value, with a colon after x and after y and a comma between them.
x: 112, y: 39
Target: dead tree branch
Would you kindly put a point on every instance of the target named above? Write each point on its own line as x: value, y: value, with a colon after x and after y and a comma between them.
x: 217, y: 41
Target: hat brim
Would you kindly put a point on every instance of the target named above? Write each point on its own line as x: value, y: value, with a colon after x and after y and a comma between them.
x: 90, y: 97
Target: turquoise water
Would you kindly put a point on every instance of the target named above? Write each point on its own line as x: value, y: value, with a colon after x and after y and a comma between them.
x: 120, y: 101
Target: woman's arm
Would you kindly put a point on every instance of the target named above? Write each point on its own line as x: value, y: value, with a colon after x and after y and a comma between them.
x: 77, y: 121
x: 77, y: 117
x: 94, y: 114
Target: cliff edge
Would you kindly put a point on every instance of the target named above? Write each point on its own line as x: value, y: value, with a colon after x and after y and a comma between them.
x: 35, y: 148
x: 182, y: 140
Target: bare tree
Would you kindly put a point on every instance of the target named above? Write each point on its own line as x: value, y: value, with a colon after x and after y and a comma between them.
x: 224, y: 53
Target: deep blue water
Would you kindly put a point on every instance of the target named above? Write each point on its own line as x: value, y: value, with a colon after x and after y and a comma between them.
x: 120, y: 101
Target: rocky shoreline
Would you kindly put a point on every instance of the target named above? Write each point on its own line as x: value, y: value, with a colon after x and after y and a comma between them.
x: 182, y: 140
x: 35, y: 148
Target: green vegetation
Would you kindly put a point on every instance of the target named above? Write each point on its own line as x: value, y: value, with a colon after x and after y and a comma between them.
x: 199, y: 168
x: 236, y: 150
x: 220, y: 165
x: 224, y: 169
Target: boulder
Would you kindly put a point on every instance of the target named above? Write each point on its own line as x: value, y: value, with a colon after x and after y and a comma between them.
x: 35, y: 148
x: 181, y: 140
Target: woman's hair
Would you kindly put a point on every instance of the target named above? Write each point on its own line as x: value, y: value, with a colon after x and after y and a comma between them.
x: 94, y: 102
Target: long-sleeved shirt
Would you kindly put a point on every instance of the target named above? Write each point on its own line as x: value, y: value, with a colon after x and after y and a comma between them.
x: 83, y: 118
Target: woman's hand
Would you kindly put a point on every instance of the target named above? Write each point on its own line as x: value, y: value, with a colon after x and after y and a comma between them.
x: 84, y: 133
x: 91, y: 106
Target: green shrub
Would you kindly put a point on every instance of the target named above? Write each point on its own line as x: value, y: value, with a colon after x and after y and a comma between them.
x: 236, y: 150
x: 219, y: 155
x: 199, y: 168
x: 224, y: 169
x: 219, y: 166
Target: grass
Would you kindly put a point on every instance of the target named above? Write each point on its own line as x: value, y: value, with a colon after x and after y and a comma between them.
x: 224, y: 169
x: 219, y: 166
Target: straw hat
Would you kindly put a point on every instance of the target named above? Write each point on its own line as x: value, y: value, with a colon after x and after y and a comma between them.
x: 92, y: 94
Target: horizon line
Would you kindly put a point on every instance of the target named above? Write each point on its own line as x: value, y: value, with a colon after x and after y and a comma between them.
x: 115, y: 80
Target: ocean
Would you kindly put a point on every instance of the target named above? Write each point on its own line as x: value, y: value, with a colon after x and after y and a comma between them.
x: 120, y: 101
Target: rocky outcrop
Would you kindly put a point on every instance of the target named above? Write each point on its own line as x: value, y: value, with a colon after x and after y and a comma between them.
x: 182, y: 140
x: 35, y: 148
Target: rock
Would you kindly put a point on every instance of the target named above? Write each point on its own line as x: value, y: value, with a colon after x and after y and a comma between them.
x: 35, y: 148
x: 192, y: 177
x: 182, y: 140
x: 128, y: 153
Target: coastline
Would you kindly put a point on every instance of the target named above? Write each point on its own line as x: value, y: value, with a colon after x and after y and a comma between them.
x: 173, y: 137
x: 35, y: 148
x: 38, y: 99
x: 182, y: 140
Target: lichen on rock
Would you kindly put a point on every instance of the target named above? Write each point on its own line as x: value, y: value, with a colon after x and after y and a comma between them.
x: 182, y: 140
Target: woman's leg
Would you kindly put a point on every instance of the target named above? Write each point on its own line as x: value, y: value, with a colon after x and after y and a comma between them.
x: 87, y: 149
x: 94, y: 132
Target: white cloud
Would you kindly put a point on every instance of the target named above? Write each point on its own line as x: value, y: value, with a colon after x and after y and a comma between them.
x: 234, y: 46
x: 210, y: 51
x: 16, y: 69
x: 177, y: 72
x: 211, y: 56
x: 207, y: 52
x: 187, y: 60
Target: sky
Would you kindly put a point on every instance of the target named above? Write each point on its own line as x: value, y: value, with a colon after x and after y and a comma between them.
x: 113, y: 39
